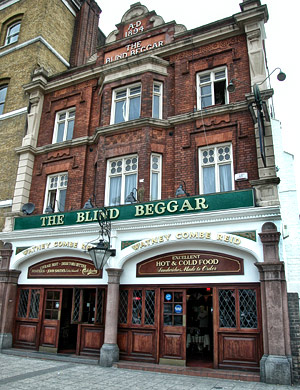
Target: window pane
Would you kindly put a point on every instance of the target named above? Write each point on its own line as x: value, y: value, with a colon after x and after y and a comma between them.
x: 154, y: 186
x: 220, y: 75
x: 23, y: 302
x: 134, y: 108
x: 123, y: 306
x: 209, y: 182
x: 137, y: 307
x: 156, y: 100
x: 60, y: 132
x: 204, y: 78
x: 206, y: 101
x: 62, y: 200
x: 34, y: 304
x: 99, y: 306
x: 225, y: 178
x: 120, y: 111
x: 149, y: 307
x: 115, y: 191
x: 3, y: 92
x: 135, y: 90
x: 70, y: 129
x: 130, y: 184
x: 227, y: 309
x: 248, y: 311
x: 76, y: 303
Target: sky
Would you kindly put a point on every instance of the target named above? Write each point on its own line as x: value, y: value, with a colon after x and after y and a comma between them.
x: 282, y: 30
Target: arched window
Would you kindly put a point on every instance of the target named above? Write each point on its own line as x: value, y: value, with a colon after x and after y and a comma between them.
x: 12, y: 34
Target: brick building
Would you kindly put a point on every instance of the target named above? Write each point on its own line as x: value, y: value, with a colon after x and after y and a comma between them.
x: 31, y: 38
x: 146, y: 127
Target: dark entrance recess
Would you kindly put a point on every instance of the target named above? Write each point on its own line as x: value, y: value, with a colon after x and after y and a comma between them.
x: 199, y: 332
x: 68, y: 331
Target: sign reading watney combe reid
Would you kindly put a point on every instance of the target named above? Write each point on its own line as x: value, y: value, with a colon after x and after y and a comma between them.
x: 190, y: 263
x: 195, y: 204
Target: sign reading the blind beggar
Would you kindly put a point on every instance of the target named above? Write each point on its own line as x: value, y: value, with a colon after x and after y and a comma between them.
x: 191, y: 263
x: 66, y: 267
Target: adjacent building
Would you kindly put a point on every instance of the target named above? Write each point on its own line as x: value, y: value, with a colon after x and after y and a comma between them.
x: 146, y: 127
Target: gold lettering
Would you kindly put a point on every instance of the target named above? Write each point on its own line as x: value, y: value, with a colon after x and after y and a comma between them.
x: 43, y: 221
x: 60, y: 219
x: 158, y: 209
x: 149, y: 209
x: 186, y: 205
x: 139, y: 210
x: 200, y: 204
x: 113, y: 213
x: 80, y: 217
x: 172, y: 206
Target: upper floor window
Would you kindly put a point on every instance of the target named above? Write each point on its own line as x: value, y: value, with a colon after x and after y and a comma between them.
x: 216, y: 170
x: 155, y: 177
x: 157, y: 100
x: 64, y: 125
x: 211, y: 88
x: 121, y: 179
x: 3, y: 92
x: 12, y: 34
x: 56, y: 190
x: 126, y: 104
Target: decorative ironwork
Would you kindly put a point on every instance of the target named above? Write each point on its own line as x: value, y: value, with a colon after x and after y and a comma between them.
x: 123, y: 306
x: 248, y: 311
x: 34, y: 304
x: 149, y: 307
x: 23, y: 302
x: 227, y: 310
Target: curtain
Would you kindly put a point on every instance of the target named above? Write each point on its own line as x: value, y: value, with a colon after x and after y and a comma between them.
x: 115, y: 191
x: 134, y: 107
x: 130, y: 184
x: 209, y: 180
x: 120, y: 111
x: 225, y: 177
x: 154, y: 186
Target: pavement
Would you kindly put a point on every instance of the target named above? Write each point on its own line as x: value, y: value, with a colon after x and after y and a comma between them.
x: 24, y: 373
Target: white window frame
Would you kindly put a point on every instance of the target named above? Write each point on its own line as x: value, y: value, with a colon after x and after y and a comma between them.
x: 127, y: 98
x: 62, y: 184
x: 12, y: 37
x: 2, y: 102
x: 66, y: 121
x: 123, y: 173
x: 216, y: 164
x: 155, y: 168
x: 212, y: 74
x: 159, y: 93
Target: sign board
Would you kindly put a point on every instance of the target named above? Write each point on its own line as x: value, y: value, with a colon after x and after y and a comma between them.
x: 191, y: 263
x: 64, y: 268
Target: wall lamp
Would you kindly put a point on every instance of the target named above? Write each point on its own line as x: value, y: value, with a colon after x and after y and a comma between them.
x: 181, y: 190
x: 261, y: 108
x: 101, y: 252
x: 131, y: 198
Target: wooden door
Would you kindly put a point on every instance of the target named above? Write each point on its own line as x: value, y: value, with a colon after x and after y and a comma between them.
x: 51, y: 320
x: 173, y: 327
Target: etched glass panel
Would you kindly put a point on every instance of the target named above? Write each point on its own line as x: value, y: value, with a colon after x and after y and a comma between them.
x: 123, y: 307
x: 248, y: 308
x: 137, y: 307
x: 34, y: 304
x: 76, y: 298
x: 150, y: 307
x: 99, y: 306
x: 227, y: 311
x: 23, y: 302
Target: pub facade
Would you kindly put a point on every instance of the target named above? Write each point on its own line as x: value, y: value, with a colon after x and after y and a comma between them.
x: 148, y: 129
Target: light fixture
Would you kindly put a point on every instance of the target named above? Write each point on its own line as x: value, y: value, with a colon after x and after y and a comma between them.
x: 261, y: 108
x: 49, y: 209
x: 181, y: 190
x: 88, y: 204
x: 101, y: 252
x: 131, y: 198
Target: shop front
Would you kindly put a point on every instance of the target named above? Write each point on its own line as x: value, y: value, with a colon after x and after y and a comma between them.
x: 187, y: 286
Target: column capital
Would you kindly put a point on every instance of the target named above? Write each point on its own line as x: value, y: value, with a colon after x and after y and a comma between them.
x: 114, y: 275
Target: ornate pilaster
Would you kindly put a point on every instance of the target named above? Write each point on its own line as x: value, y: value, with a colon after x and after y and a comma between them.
x: 276, y: 363
x: 109, y: 352
x: 8, y: 293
